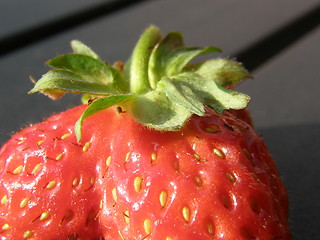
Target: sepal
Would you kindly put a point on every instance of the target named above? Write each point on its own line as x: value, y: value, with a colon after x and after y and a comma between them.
x: 223, y: 71
x: 97, y: 106
x: 80, y: 48
x: 62, y: 81
x: 158, y: 85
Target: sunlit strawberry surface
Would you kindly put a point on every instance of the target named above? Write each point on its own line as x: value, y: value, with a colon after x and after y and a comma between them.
x: 214, y: 179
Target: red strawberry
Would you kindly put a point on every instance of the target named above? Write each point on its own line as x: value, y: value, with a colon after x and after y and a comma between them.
x: 214, y: 179
x: 48, y: 183
x: 168, y: 161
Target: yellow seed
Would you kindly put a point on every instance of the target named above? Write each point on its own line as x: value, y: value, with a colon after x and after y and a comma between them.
x: 92, y: 180
x: 169, y: 238
x: 231, y: 177
x: 75, y: 182
x: 65, y: 136
x: 108, y: 161
x: 127, y: 157
x: 248, y: 155
x: 210, y: 228
x: 163, y: 198
x: 196, y: 156
x: 147, y: 226
x: 24, y: 202
x: 198, y: 181
x: 127, y: 216
x: 4, y: 199
x: 40, y: 142
x: 176, y: 165
x: 213, y: 129
x: 186, y: 213
x: 21, y: 140
x: 75, y: 192
x: 44, y: 216
x: 86, y: 146
x: 153, y: 157
x: 51, y: 184
x: 5, y: 227
x: 101, y: 204
x: 59, y: 156
x: 17, y: 170
x: 27, y: 234
x: 36, y: 169
x: 137, y: 184
x: 218, y: 153
x: 114, y: 194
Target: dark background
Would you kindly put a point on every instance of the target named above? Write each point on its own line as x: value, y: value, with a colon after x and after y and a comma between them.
x: 278, y: 41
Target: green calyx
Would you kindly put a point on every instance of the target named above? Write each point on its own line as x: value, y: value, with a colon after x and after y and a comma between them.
x: 158, y: 85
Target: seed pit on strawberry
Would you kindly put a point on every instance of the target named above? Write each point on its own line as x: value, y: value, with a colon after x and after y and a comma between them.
x: 73, y: 236
x: 227, y: 201
x: 246, y: 234
x: 67, y: 217
x: 254, y: 205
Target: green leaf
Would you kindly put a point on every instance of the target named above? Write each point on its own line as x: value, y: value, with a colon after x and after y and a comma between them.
x: 158, y: 86
x: 119, y: 82
x: 157, y: 63
x: 156, y: 111
x: 182, y: 95
x: 213, y: 95
x: 178, y: 59
x: 97, y: 106
x: 223, y: 71
x: 169, y: 57
x: 89, y: 68
x: 138, y: 68
x: 67, y: 81
x: 80, y: 48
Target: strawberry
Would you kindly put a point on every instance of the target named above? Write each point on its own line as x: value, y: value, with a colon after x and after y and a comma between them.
x: 161, y: 149
x: 47, y: 183
x: 214, y: 179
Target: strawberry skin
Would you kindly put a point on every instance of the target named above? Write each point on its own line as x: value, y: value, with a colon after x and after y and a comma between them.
x: 46, y: 181
x: 214, y: 179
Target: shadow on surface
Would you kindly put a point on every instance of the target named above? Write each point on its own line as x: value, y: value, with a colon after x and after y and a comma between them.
x: 296, y: 149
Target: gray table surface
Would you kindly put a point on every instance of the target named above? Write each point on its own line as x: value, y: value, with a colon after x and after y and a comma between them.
x: 285, y: 105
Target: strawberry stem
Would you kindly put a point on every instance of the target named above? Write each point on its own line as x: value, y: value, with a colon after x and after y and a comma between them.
x: 138, y: 69
x: 158, y: 86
